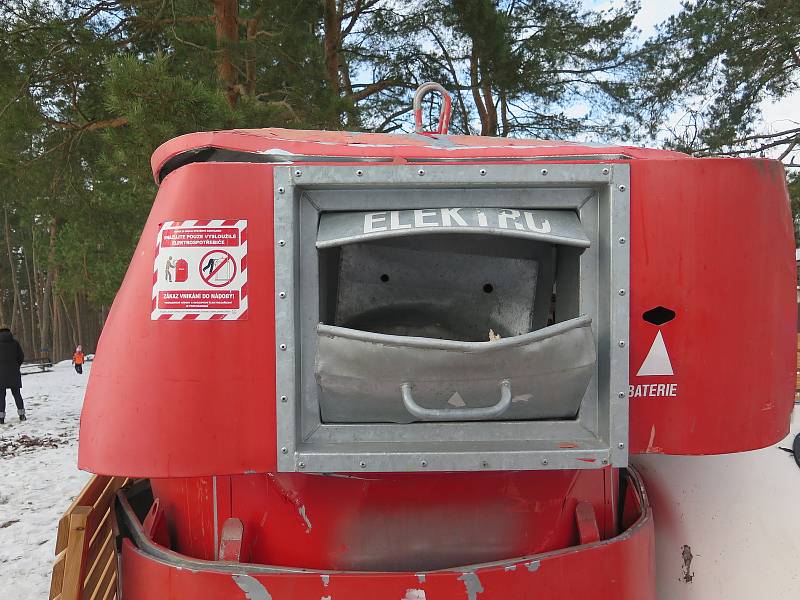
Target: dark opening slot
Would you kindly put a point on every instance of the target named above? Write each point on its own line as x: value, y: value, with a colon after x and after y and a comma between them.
x: 443, y: 286
x: 659, y: 315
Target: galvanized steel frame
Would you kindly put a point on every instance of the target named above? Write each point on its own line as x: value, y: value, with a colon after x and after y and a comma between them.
x: 600, y: 193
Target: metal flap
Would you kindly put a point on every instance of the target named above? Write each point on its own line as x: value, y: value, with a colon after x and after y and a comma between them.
x: 554, y: 226
x: 375, y: 378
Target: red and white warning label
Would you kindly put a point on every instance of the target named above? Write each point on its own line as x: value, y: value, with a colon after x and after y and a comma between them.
x: 200, y: 271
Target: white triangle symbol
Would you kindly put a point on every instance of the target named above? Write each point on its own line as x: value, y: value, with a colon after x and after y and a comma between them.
x: 456, y: 400
x: 657, y: 360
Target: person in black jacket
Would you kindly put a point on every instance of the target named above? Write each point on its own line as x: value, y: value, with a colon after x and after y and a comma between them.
x: 11, y: 357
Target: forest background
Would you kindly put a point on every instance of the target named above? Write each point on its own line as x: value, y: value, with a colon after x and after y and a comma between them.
x: 88, y: 89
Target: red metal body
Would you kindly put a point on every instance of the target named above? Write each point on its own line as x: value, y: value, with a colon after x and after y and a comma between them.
x: 621, y: 567
x: 711, y: 240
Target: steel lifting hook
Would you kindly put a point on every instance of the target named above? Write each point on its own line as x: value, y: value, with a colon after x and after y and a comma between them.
x: 444, y: 116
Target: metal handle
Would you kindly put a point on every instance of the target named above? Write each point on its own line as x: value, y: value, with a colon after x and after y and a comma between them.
x: 444, y: 116
x: 458, y: 414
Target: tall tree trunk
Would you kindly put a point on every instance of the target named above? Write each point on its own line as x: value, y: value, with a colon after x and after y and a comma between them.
x: 332, y: 17
x: 32, y: 294
x: 47, y: 308
x: 226, y: 25
x: 78, y: 320
x: 68, y: 321
x: 504, y: 115
x: 17, y: 306
x: 474, y: 85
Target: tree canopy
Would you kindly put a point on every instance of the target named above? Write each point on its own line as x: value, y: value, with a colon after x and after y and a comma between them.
x: 88, y: 88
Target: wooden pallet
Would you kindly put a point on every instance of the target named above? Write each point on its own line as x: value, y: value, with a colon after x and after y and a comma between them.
x: 85, y: 567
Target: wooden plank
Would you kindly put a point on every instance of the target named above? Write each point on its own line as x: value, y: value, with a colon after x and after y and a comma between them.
x: 109, y: 573
x: 75, y: 554
x: 94, y: 581
x: 87, y: 497
x: 96, y: 563
x: 103, y: 503
x: 57, y: 576
x: 99, y: 534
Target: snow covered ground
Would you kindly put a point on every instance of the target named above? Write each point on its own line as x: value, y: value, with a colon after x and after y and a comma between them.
x: 38, y: 477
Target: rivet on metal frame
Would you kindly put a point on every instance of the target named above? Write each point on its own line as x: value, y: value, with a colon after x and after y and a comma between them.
x: 284, y: 399
x: 281, y: 242
x: 362, y: 464
x: 544, y: 461
x: 301, y: 465
x: 544, y: 171
x: 282, y: 294
x: 621, y: 292
x: 421, y: 172
x: 483, y: 172
x: 485, y: 465
x: 423, y: 463
x: 281, y: 190
x: 620, y: 394
x: 298, y: 173
x: 605, y: 171
x: 622, y: 240
x: 605, y: 461
x: 282, y: 346
x: 621, y: 343
x: 621, y: 188
x: 621, y: 445
x: 284, y: 450
x: 359, y: 173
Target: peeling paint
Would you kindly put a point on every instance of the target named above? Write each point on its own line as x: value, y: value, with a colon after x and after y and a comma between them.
x: 533, y: 566
x: 421, y: 577
x: 302, y: 511
x: 326, y: 598
x: 252, y: 588
x: 686, y: 554
x: 325, y: 580
x: 472, y: 584
x: 414, y: 594
x: 510, y: 568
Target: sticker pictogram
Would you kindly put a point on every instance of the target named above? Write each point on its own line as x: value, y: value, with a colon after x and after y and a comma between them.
x: 217, y: 268
x: 200, y: 271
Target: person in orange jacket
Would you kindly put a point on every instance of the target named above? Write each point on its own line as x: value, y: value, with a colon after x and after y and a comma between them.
x: 78, y: 359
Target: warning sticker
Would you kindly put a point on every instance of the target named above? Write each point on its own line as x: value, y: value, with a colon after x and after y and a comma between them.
x: 200, y: 271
